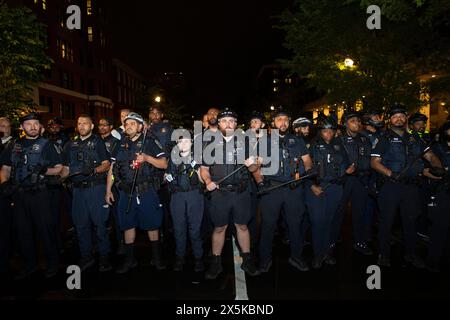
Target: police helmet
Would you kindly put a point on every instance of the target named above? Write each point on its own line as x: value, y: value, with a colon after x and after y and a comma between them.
x: 417, y: 117
x: 256, y: 115
x: 134, y: 116
x: 350, y: 114
x: 397, y: 108
x: 326, y: 123
x: 301, y: 122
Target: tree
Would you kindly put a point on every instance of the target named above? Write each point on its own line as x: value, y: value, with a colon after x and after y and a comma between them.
x: 413, y: 40
x: 172, y: 106
x: 22, y: 58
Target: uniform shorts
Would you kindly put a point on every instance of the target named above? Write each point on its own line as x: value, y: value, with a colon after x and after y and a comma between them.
x: 230, y: 207
x: 145, y: 215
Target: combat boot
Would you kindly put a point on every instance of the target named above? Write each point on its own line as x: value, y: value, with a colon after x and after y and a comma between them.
x: 215, y: 268
x: 157, y: 259
x: 129, y: 262
x: 248, y: 265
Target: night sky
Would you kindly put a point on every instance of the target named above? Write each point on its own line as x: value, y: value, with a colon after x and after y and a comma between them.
x: 219, y: 45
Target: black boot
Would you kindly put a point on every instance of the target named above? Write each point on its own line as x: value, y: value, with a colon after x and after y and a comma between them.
x: 179, y: 264
x: 129, y: 262
x: 248, y: 264
x: 157, y: 259
x: 215, y: 268
x: 199, y: 266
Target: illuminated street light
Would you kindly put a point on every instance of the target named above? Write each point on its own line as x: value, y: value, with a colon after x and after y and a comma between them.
x: 272, y: 108
x: 348, y: 63
x: 158, y: 99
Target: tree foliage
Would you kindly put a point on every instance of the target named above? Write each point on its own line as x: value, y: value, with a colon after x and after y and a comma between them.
x: 22, y: 58
x: 413, y: 40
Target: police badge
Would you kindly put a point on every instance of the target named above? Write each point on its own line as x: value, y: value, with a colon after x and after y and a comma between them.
x: 35, y: 147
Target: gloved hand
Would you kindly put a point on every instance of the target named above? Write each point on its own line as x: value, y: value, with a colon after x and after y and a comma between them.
x: 438, y: 172
x: 396, y: 177
x: 88, y: 170
x: 39, y: 169
x: 263, y: 186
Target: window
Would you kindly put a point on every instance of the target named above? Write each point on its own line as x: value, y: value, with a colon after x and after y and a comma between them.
x: 67, y: 110
x: 90, y: 86
x: 90, y: 34
x: 119, y: 94
x: 82, y: 88
x: 89, y: 7
x: 44, y: 4
x: 102, y: 39
x: 63, y: 50
x: 66, y: 79
x: 36, y: 1
x: 50, y: 104
x: 275, y: 89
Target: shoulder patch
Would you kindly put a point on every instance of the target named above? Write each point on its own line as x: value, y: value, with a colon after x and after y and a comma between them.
x: 158, y: 143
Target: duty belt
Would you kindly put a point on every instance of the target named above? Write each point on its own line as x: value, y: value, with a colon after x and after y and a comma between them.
x: 239, y: 188
x: 140, y: 188
x: 87, y: 184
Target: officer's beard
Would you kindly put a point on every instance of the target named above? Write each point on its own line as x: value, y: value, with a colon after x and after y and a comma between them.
x: 213, y: 122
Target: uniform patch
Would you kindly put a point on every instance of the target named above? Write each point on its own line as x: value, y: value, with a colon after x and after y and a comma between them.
x: 291, y: 141
x: 163, y: 130
x: 337, y: 147
x: 36, y: 147
x: 158, y: 144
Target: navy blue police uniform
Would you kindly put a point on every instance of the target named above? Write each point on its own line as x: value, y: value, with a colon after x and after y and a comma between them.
x: 186, y: 204
x: 145, y: 211
x: 88, y: 205
x: 290, y: 198
x: 32, y: 199
x: 439, y: 216
x: 5, y: 213
x: 397, y: 153
x: 331, y: 161
x: 111, y: 143
x: 356, y: 190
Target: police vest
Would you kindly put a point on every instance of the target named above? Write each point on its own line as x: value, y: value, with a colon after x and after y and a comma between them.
x: 186, y: 177
x: 110, y: 143
x: 374, y: 137
x: 123, y: 168
x: 162, y: 131
x: 358, y: 150
x: 442, y: 150
x: 290, y: 161
x: 59, y: 139
x: 229, y: 164
x: 401, y: 152
x: 82, y: 154
x: 329, y: 159
x: 25, y: 159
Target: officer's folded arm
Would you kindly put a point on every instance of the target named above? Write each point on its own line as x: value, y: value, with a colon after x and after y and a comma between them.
x: 65, y: 172
x: 160, y: 163
x: 375, y: 163
x: 104, y: 167
x: 109, y: 197
x: 210, y: 185
x: 5, y: 173
x: 54, y: 171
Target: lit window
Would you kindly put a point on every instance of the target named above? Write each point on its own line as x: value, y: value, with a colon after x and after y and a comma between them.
x: 90, y: 34
x: 36, y: 1
x: 44, y: 4
x: 275, y: 89
x: 63, y: 50
x: 89, y: 7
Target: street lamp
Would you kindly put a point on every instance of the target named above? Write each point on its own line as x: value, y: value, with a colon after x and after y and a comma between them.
x: 272, y: 108
x: 158, y: 99
x: 348, y: 63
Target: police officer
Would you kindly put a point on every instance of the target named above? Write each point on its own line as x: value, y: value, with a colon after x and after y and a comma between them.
x: 256, y: 125
x: 232, y: 196
x: 29, y: 164
x: 137, y: 150
x: 55, y: 134
x: 118, y: 132
x: 162, y: 130
x: 86, y: 161
x: 397, y: 157
x: 373, y: 125
x: 7, y: 142
x: 418, y: 125
x: 111, y: 143
x: 323, y: 195
x: 302, y: 128
x: 186, y: 204
x: 294, y: 161
x: 358, y: 148
x: 440, y: 217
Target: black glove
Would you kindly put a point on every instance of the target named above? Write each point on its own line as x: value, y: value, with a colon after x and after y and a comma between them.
x: 438, y: 172
x: 396, y: 177
x: 88, y: 170
x: 263, y: 186
x: 39, y: 169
